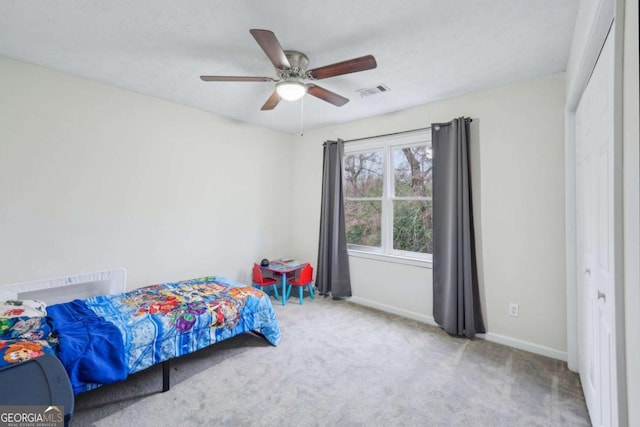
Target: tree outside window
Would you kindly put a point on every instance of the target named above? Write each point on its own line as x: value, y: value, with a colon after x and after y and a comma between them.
x: 388, y: 197
x: 412, y: 210
x: 363, y: 190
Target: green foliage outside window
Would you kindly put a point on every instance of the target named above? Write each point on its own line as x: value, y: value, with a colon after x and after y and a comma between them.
x: 363, y: 219
x: 413, y: 226
x: 412, y: 221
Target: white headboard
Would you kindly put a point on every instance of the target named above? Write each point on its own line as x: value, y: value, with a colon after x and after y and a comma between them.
x: 63, y: 289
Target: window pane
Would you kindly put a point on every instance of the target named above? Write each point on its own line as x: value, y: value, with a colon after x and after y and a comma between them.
x: 412, y: 171
x: 413, y: 226
x: 363, y: 222
x: 363, y: 174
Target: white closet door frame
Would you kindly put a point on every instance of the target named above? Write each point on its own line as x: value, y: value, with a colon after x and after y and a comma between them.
x: 607, y: 10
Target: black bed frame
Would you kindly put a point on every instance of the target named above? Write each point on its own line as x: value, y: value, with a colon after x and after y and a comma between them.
x: 166, y: 366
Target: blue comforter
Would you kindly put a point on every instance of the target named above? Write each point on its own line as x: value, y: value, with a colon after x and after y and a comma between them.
x: 90, y: 348
x: 104, y: 339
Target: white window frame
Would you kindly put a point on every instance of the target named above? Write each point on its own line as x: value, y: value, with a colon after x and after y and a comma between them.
x: 386, y: 144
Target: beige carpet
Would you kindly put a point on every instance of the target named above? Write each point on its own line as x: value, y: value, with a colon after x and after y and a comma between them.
x: 340, y: 364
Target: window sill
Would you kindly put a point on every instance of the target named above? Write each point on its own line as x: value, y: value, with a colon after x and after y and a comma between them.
x: 396, y: 259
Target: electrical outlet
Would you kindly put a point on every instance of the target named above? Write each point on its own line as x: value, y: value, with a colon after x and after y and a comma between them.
x: 514, y: 310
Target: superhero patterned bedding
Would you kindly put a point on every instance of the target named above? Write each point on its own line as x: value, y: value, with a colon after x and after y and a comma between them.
x: 103, y: 339
x: 24, y: 330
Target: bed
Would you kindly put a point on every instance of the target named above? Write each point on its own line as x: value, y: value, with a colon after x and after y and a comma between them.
x: 102, y: 334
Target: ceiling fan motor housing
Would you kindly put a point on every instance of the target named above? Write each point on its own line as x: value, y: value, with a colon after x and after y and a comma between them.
x: 298, y: 70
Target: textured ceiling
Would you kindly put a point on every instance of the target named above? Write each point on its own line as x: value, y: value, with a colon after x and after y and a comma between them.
x: 425, y: 49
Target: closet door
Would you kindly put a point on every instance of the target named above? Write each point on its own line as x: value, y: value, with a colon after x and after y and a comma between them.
x: 595, y: 199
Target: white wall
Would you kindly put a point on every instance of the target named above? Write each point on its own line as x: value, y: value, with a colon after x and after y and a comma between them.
x: 518, y: 160
x: 93, y: 177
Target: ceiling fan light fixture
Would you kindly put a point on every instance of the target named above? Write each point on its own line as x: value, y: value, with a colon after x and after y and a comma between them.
x: 291, y: 90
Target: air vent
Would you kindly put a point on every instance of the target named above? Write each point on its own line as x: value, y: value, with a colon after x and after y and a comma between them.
x: 373, y: 90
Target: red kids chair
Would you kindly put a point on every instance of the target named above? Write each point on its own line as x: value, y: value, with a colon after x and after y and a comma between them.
x: 304, y: 279
x: 259, y: 281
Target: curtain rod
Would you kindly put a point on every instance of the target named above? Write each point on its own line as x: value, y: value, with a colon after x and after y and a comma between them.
x: 398, y: 133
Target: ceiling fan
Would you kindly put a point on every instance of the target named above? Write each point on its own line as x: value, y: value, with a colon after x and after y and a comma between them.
x: 291, y: 69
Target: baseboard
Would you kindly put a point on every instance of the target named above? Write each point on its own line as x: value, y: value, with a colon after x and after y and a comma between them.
x: 525, y: 345
x: 489, y: 336
x: 394, y: 310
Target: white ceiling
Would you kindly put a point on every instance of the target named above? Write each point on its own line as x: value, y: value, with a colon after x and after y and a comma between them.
x: 425, y: 49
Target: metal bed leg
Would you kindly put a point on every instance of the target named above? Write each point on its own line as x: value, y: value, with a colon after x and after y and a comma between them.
x: 166, y: 370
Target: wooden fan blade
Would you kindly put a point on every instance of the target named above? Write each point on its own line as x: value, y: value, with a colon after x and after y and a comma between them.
x: 269, y: 43
x: 367, y: 62
x: 326, y: 95
x: 236, y: 79
x: 271, y: 103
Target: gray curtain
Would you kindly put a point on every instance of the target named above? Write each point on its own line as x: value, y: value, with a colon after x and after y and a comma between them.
x: 456, y: 300
x: 332, y: 274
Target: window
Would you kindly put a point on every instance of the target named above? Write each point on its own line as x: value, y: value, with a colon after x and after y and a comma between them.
x: 387, y: 191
